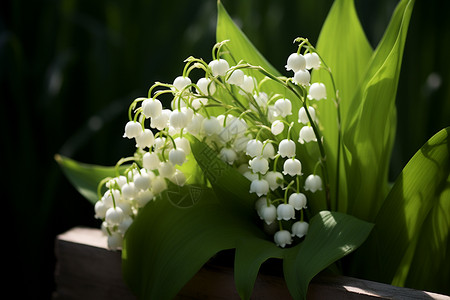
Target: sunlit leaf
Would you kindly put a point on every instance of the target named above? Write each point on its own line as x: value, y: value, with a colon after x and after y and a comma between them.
x: 331, y: 236
x: 411, y: 232
x: 345, y: 49
x: 85, y: 177
x: 368, y: 130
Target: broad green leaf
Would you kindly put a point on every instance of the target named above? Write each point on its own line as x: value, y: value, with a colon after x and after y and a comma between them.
x: 409, y: 244
x: 166, y: 245
x: 368, y: 131
x: 330, y: 237
x: 85, y: 177
x: 343, y: 46
x: 251, y: 253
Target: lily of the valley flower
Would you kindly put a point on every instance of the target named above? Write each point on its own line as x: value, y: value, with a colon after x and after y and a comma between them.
x: 313, y: 183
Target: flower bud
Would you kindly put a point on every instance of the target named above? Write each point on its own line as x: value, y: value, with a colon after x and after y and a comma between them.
x: 277, y: 127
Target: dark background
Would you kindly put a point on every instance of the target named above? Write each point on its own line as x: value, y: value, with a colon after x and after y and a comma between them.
x: 70, y: 68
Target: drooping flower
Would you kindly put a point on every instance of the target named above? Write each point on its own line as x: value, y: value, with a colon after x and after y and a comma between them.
x: 286, y: 148
x: 283, y: 107
x: 297, y: 200
x: 206, y: 86
x: 317, y: 91
x: 307, y: 135
x: 299, y: 229
x: 260, y: 187
x: 295, y: 62
x: 236, y: 78
x: 277, y: 127
x: 292, y: 167
x: 151, y: 108
x: 285, y: 212
x: 282, y: 238
x: 302, y: 77
x: 259, y: 165
x: 313, y: 183
x: 312, y: 61
x: 132, y: 129
x: 219, y: 67
x: 303, y: 117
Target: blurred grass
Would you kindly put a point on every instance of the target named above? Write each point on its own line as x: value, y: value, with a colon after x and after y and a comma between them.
x: 69, y: 69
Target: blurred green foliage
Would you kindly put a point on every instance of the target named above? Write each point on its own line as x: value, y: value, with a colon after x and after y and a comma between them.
x: 70, y: 68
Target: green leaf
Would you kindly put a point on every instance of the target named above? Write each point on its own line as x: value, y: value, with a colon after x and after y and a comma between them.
x: 368, y: 132
x: 344, y: 47
x: 85, y: 177
x: 409, y: 245
x: 166, y: 245
x: 330, y: 237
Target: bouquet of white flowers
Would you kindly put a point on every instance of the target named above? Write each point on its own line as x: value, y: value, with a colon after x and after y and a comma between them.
x: 234, y: 155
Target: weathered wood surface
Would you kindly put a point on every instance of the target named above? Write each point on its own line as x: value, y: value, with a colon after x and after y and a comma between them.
x: 86, y: 269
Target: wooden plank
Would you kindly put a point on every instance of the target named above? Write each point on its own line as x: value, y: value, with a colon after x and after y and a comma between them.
x: 86, y: 269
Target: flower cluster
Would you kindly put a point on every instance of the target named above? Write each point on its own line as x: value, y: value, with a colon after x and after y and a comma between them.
x: 228, y: 109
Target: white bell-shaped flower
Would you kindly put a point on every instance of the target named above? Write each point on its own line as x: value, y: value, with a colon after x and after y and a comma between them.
x: 302, y: 77
x: 312, y: 61
x: 295, y: 62
x: 100, y: 209
x: 285, y: 212
x: 268, y: 213
x: 260, y: 187
x: 303, y: 117
x: 248, y: 85
x: 129, y: 190
x: 297, y: 200
x: 162, y: 121
x: 228, y: 155
x: 283, y: 107
x: 300, y: 229
x: 145, y: 140
x: 286, y: 148
x: 254, y: 148
x: 133, y: 129
x: 151, y: 161
x: 275, y: 179
x: 178, y: 119
x: 317, y: 91
x: 211, y: 126
x: 313, y: 183
x: 142, y: 181
x: 115, y: 241
x: 282, y: 238
x: 195, y: 126
x: 277, y: 127
x: 114, y: 216
x: 177, y: 156
x: 259, y: 165
x: 183, y: 143
x: 181, y: 82
x: 292, y: 167
x: 307, y: 135
x: 236, y: 78
x: 206, y: 86
x: 219, y: 67
x: 151, y: 108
